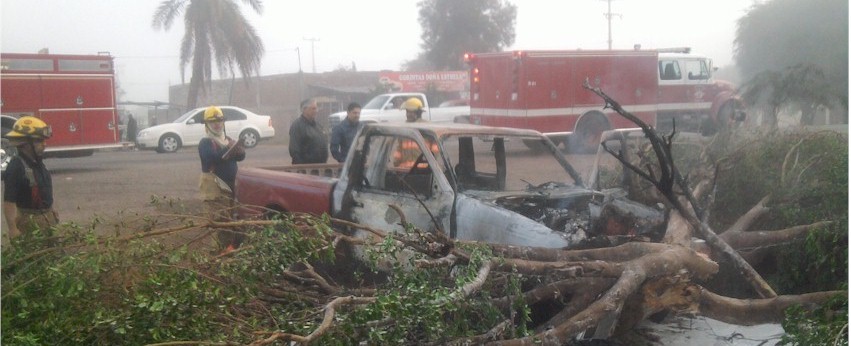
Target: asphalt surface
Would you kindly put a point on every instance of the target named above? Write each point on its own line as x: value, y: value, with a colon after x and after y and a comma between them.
x: 109, y: 184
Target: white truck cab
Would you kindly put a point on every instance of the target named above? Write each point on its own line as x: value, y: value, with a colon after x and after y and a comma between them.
x: 387, y: 108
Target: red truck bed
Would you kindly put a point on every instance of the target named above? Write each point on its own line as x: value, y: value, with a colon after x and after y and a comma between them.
x: 287, y: 188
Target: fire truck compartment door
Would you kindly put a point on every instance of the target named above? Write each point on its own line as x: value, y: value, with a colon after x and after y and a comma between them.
x: 98, y: 126
x: 66, y: 124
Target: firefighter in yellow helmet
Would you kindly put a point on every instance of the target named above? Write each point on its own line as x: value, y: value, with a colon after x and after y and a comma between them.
x: 27, y: 185
x: 219, y: 155
x: 413, y: 110
x: 408, y: 151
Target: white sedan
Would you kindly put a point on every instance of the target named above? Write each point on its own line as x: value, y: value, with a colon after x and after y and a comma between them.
x: 189, y: 129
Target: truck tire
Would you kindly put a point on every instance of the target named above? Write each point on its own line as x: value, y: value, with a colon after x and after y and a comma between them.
x: 169, y: 144
x: 723, y: 121
x: 589, y: 129
x: 250, y: 138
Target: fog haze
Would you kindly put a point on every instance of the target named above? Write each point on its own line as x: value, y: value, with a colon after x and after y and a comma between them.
x: 372, y: 35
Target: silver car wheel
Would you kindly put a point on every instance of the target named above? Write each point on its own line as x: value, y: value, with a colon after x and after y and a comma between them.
x: 249, y: 138
x: 169, y: 144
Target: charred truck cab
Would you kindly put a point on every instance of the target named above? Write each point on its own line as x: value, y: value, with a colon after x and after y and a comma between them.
x: 474, y: 183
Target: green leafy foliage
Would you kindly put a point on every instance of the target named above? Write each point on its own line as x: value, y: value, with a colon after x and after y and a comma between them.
x: 818, y: 263
x: 807, y: 177
x: 826, y: 325
x: 815, y: 186
x: 140, y: 290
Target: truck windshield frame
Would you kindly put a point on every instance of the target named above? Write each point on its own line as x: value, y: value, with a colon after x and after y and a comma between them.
x: 502, y: 163
x: 376, y: 103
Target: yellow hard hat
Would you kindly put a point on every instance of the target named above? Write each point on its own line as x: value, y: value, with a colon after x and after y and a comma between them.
x: 413, y: 104
x: 30, y: 127
x: 213, y: 113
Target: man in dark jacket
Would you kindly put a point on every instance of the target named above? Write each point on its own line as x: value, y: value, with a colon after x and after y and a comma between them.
x: 344, y: 133
x: 308, y: 142
x: 132, y: 129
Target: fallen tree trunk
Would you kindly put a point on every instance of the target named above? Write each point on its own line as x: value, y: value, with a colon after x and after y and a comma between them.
x: 665, y: 181
x: 749, y: 312
x: 668, y: 262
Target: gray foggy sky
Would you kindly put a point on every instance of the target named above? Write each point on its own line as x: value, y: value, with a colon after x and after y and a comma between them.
x: 374, y: 34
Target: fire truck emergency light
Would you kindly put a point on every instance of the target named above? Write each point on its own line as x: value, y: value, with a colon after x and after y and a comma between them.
x: 469, y: 57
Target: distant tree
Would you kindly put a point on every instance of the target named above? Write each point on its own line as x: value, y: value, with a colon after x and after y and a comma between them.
x: 781, y: 35
x: 804, y: 86
x: 452, y: 28
x: 214, y: 29
x: 420, y: 63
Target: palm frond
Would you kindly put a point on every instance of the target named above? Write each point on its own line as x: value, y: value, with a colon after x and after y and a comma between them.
x: 166, y: 12
x: 257, y: 5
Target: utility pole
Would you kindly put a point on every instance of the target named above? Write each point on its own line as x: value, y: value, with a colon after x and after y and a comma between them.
x: 300, y: 76
x: 298, y: 52
x: 312, y: 51
x: 609, y: 16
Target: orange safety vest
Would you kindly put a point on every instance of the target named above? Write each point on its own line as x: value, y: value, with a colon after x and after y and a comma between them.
x: 408, y: 152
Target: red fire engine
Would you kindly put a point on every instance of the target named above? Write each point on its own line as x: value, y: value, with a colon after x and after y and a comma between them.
x: 542, y: 90
x: 74, y: 94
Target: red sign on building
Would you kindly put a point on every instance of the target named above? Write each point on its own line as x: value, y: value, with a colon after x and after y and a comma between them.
x: 448, y: 81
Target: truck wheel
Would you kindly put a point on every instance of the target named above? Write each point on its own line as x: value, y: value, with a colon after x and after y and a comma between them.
x: 723, y: 121
x: 168, y: 144
x: 250, y: 138
x: 590, y: 128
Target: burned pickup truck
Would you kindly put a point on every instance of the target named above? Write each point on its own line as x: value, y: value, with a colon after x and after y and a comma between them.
x: 469, y: 182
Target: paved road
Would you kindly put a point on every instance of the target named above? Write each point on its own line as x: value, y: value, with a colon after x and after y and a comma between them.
x: 107, y: 183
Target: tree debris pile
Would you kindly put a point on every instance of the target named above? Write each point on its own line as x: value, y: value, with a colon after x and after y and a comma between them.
x: 327, y: 281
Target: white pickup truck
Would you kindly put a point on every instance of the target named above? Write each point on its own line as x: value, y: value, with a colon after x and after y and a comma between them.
x: 387, y: 108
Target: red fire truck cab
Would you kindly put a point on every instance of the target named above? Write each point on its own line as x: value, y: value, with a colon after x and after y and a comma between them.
x: 74, y: 94
x: 543, y: 90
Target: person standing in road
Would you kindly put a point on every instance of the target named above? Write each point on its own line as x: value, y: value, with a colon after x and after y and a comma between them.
x: 413, y: 110
x: 27, y: 185
x: 219, y: 156
x: 344, y: 133
x: 131, y: 128
x: 308, y: 141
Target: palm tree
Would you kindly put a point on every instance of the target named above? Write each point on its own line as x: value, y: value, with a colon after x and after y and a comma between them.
x: 214, y: 29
